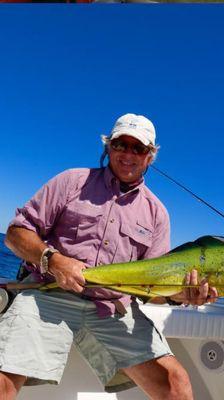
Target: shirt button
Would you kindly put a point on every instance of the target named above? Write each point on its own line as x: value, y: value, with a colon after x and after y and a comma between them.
x: 112, y: 220
x: 106, y: 242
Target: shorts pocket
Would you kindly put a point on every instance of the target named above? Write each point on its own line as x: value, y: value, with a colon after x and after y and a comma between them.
x: 36, y: 347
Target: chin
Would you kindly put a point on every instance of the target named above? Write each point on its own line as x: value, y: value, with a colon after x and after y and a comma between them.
x: 127, y: 179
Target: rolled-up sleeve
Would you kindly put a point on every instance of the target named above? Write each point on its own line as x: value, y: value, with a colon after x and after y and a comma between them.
x: 42, y: 210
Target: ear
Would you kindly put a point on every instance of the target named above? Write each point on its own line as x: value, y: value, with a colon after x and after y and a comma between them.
x: 150, y: 159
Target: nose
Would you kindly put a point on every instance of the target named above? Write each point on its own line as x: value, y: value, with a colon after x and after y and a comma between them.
x: 128, y: 150
x: 128, y: 154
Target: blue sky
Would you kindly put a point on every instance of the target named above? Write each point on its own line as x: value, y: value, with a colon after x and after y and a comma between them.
x: 67, y: 71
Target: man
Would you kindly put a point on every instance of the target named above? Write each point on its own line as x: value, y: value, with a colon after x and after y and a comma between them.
x: 82, y: 218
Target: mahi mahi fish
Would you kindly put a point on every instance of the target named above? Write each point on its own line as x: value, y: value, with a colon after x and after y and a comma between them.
x: 165, y: 275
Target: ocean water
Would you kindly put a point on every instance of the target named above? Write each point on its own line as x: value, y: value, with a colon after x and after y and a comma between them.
x: 9, y: 263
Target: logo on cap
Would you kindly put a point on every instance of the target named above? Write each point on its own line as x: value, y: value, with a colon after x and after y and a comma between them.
x: 133, y: 125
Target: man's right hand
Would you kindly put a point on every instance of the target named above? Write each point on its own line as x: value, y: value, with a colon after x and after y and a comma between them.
x: 67, y: 272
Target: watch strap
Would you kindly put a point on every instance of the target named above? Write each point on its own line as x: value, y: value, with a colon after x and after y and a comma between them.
x: 44, y: 259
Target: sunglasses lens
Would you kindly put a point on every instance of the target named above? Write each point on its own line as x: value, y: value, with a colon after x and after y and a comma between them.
x: 120, y: 145
x: 140, y: 149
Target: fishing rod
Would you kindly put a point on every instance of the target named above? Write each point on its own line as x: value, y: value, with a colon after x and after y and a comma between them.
x: 54, y: 285
x: 23, y: 285
x: 46, y: 286
x: 188, y: 190
x: 148, y: 285
x: 6, y: 288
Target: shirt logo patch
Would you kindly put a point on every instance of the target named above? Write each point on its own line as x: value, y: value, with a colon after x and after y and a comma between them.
x: 142, y: 231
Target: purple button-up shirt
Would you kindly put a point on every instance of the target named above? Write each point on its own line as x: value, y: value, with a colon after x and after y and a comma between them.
x: 82, y: 213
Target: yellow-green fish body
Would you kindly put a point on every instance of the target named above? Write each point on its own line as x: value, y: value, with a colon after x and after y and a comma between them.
x: 165, y: 275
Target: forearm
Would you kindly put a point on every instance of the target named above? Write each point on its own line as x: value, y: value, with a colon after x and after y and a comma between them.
x: 28, y: 245
x: 25, y: 243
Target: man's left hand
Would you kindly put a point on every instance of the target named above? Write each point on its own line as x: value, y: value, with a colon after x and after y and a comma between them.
x: 196, y: 296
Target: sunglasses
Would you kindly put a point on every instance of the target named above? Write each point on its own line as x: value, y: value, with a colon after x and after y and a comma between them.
x: 137, y: 148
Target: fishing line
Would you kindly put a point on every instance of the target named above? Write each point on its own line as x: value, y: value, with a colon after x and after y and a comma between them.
x: 188, y: 190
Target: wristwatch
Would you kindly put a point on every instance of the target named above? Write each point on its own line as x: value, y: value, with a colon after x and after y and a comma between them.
x: 44, y: 259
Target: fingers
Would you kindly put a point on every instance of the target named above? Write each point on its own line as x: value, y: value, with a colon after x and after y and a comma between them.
x: 192, y: 294
x: 198, y: 295
x: 203, y: 293
x: 213, y: 294
x: 69, y: 276
x: 70, y: 282
x: 186, y: 291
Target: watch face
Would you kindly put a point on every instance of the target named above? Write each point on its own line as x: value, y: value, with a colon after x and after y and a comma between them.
x: 48, y: 254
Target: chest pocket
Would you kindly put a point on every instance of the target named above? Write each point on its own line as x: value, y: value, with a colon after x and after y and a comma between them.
x: 82, y: 219
x: 138, y: 238
x: 87, y: 214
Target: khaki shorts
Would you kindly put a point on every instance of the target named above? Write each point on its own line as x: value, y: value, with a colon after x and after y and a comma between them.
x: 37, y: 331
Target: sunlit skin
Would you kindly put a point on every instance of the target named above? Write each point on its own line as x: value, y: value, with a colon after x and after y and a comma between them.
x: 128, y: 167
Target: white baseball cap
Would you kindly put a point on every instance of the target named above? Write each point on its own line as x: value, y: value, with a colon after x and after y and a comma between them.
x: 133, y: 125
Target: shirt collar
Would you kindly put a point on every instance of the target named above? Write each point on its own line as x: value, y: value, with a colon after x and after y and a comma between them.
x: 111, y: 180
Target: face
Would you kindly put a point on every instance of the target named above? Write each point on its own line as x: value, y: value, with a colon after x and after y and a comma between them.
x: 127, y: 162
